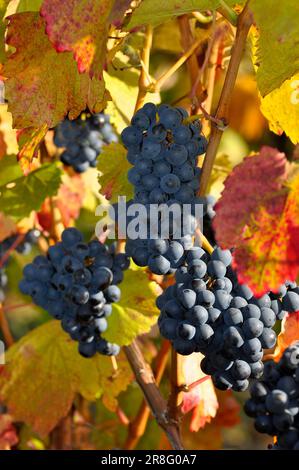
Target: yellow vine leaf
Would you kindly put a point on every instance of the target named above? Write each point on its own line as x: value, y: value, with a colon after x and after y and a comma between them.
x: 136, y: 312
x: 281, y: 108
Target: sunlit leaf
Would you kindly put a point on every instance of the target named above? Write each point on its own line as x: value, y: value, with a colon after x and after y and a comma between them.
x: 136, y: 311
x: 46, y: 365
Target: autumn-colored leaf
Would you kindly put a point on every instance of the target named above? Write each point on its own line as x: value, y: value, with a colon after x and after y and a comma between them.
x: 245, y: 189
x: 201, y: 399
x: 269, y: 252
x: 29, y: 140
x: 289, y: 333
x: 82, y: 28
x: 281, y: 108
x: 46, y: 365
x: 113, y: 167
x: 43, y: 86
x: 68, y: 200
x: 8, y: 432
x: 136, y: 312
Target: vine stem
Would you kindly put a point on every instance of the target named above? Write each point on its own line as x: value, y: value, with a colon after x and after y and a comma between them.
x: 145, y: 379
x: 177, y: 382
x: 138, y: 426
x: 144, y: 73
x: 245, y: 21
x: 163, y: 78
x: 187, y: 40
x: 13, y: 246
x: 8, y: 338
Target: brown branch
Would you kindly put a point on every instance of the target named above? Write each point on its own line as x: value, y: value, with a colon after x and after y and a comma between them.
x: 13, y: 246
x: 177, y: 382
x: 144, y: 73
x: 145, y: 379
x: 4, y: 325
x: 187, y: 40
x: 138, y: 426
x: 244, y: 23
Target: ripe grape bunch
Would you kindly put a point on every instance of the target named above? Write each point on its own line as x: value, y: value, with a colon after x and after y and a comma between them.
x: 77, y: 283
x: 83, y: 140
x: 163, y: 149
x: 274, y: 401
x: 208, y: 311
x: 24, y: 247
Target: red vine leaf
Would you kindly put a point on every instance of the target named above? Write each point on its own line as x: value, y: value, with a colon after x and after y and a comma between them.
x: 269, y: 252
x: 258, y: 215
x: 82, y: 28
x: 43, y: 86
x: 201, y: 399
x: 244, y: 191
x: 69, y: 200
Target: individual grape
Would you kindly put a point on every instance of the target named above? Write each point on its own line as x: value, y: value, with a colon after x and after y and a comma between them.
x: 158, y: 264
x: 186, y: 331
x: 170, y: 183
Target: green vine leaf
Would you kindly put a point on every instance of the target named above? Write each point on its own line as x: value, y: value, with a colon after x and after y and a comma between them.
x: 277, y: 55
x: 27, y: 193
x: 48, y: 370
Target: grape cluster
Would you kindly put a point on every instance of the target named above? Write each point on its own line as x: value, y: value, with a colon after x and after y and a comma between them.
x: 274, y: 401
x: 77, y: 283
x: 208, y: 311
x: 24, y: 247
x: 164, y: 152
x: 83, y: 140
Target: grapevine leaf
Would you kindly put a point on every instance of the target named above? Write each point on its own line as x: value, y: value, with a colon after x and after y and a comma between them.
x: 29, y: 140
x: 244, y: 190
x: 81, y: 28
x: 113, y: 167
x: 201, y: 399
x: 158, y: 11
x: 288, y: 334
x: 278, y: 38
x: 50, y: 356
x: 9, y: 169
x: 27, y: 193
x: 69, y: 200
x: 281, y: 108
x: 43, y: 86
x: 136, y: 311
x: 269, y: 252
